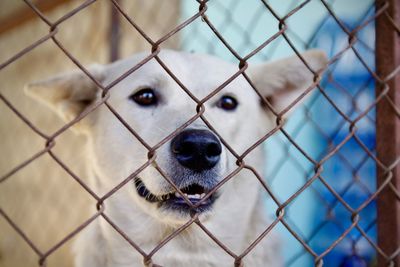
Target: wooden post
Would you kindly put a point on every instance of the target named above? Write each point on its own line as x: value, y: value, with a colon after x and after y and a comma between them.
x: 388, y: 131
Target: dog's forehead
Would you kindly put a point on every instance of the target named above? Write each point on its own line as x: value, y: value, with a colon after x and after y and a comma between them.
x: 201, y: 74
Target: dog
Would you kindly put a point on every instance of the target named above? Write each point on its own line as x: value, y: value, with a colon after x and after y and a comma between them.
x: 175, y: 173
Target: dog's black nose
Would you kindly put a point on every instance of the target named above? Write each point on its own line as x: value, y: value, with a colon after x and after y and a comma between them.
x: 197, y: 150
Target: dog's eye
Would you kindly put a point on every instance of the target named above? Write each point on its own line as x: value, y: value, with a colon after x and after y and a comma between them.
x: 227, y: 103
x: 145, y: 97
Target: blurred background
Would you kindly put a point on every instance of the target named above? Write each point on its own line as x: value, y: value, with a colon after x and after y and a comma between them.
x: 38, y: 197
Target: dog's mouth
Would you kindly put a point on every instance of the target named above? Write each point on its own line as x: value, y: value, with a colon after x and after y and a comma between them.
x: 194, y: 192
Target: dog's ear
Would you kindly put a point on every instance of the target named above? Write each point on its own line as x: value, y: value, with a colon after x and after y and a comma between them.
x: 68, y: 94
x: 282, y: 81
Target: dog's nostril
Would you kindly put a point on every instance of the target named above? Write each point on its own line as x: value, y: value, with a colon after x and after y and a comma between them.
x: 196, y: 149
x: 213, y: 149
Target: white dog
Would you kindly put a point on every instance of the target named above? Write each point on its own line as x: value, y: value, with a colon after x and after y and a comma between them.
x: 148, y: 209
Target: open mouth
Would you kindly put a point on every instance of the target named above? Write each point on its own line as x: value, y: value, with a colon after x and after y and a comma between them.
x: 175, y: 201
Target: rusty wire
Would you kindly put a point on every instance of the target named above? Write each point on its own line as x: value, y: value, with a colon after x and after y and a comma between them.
x: 386, y: 92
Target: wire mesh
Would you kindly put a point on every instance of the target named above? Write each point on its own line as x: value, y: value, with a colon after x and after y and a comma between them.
x: 356, y: 223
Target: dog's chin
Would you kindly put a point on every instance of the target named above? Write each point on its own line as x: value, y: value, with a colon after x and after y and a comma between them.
x: 174, y: 205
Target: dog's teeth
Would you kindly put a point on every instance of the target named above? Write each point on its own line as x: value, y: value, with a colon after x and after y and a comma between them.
x: 195, y: 196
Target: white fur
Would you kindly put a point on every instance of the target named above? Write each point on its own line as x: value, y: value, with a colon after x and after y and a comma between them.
x: 238, y: 215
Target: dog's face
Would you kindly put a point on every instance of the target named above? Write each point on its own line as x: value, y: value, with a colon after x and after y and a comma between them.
x: 194, y: 159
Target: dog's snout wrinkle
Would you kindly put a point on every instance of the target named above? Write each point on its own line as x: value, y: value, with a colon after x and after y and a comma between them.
x: 197, y: 150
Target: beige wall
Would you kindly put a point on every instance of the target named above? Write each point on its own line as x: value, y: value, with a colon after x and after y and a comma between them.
x: 44, y: 201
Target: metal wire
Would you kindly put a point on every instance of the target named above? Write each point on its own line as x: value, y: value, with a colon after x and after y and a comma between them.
x: 387, y: 193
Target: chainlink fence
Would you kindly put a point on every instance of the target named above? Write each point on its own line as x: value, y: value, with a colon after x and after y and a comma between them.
x: 332, y: 178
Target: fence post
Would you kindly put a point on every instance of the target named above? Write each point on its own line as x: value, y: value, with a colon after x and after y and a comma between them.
x: 388, y: 131
x: 114, y: 33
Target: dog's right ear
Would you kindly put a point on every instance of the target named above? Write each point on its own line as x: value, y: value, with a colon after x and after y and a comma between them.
x: 282, y: 81
x: 68, y: 94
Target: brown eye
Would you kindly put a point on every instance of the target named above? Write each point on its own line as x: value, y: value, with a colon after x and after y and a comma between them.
x: 145, y: 97
x: 227, y: 103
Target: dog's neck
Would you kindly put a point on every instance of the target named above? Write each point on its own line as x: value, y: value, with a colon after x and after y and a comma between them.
x: 156, y: 231
x: 193, y: 239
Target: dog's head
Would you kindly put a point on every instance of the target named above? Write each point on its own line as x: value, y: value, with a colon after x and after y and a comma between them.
x: 153, y: 104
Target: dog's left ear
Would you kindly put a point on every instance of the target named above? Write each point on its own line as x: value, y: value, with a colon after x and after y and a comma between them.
x: 68, y: 94
x: 284, y: 80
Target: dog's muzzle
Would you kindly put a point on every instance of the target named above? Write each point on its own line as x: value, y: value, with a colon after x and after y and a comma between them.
x: 197, y: 153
